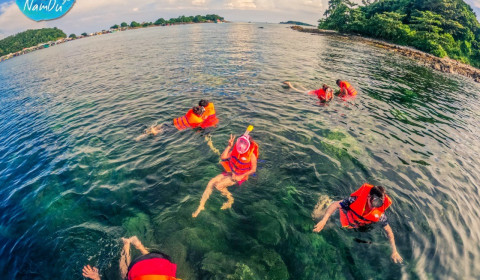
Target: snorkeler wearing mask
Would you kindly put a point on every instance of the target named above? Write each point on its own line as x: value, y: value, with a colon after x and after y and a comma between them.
x: 364, y: 207
x: 239, y: 163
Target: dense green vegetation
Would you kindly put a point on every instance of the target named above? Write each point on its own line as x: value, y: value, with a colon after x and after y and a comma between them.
x: 440, y: 27
x: 28, y: 39
x: 295, y: 22
x: 180, y: 19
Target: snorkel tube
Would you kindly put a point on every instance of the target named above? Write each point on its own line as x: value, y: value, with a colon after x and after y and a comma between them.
x: 243, y: 142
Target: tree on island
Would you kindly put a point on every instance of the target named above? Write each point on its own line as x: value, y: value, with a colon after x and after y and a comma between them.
x: 73, y: 36
x: 84, y: 34
x: 440, y: 27
x: 114, y: 26
x: 28, y: 39
x: 160, y: 21
x: 134, y: 24
x: 178, y: 20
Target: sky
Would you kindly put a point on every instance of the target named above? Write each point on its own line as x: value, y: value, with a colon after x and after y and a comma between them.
x: 95, y: 15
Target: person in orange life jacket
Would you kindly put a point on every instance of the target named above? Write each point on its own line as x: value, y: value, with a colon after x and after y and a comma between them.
x: 239, y: 163
x: 324, y: 94
x: 193, y: 118
x: 149, y: 266
x: 210, y: 116
x: 364, y: 207
x: 346, y: 89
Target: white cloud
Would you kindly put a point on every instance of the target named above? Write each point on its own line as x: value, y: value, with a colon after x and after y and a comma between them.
x: 12, y: 20
x: 198, y: 2
x: 476, y: 3
x: 135, y: 9
x: 241, y: 4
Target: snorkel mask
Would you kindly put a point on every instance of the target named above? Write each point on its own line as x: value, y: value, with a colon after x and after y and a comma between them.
x: 243, y: 142
x: 376, y: 201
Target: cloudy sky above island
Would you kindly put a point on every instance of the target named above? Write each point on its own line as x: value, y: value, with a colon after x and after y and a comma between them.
x: 95, y: 15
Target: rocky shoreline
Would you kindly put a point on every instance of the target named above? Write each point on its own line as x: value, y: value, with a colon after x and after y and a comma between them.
x: 445, y: 65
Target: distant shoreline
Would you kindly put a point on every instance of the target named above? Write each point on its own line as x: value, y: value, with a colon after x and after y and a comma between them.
x: 111, y: 30
x: 445, y: 65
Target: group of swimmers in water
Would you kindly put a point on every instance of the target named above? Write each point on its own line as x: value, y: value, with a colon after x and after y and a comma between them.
x: 364, y: 207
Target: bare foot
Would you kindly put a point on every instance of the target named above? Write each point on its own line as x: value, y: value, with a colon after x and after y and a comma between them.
x: 227, y: 204
x: 195, y: 214
x: 90, y: 272
x: 141, y: 137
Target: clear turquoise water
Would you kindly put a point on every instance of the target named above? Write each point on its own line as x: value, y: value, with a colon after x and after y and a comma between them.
x: 73, y: 179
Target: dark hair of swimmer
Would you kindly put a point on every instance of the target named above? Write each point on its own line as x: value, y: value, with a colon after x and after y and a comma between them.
x: 338, y: 82
x: 378, y: 191
x: 203, y: 103
x: 198, y: 110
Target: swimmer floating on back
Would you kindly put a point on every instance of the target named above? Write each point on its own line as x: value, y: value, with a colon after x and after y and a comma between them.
x: 203, y: 116
x: 239, y: 163
x: 324, y: 94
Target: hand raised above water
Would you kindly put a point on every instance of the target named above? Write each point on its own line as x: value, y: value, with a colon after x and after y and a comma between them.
x: 232, y: 140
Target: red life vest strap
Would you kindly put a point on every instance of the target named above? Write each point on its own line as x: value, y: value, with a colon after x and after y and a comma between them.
x: 155, y: 277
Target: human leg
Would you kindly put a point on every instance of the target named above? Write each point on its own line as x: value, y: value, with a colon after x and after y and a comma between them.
x: 223, y: 188
x: 208, y: 192
x: 295, y: 89
x: 125, y: 257
x: 136, y: 242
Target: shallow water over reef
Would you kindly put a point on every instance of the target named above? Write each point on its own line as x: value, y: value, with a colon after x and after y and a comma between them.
x: 73, y: 179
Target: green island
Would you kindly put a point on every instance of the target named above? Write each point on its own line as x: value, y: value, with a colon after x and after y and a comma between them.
x: 28, y: 39
x: 439, y: 27
x: 296, y: 23
x: 172, y: 21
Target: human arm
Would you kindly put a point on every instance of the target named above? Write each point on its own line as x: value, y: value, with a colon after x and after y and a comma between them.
x: 250, y: 172
x: 343, y: 91
x: 395, y: 255
x: 330, y: 210
x: 226, y: 153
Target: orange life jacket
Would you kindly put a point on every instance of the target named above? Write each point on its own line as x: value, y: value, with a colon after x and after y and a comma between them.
x: 209, y: 111
x: 322, y: 94
x: 187, y: 121
x: 241, y: 163
x: 355, y: 216
x: 209, y: 116
x: 350, y: 90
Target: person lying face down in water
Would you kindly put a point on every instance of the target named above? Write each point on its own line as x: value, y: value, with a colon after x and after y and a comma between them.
x: 239, y: 163
x: 203, y: 116
x: 364, y: 207
x: 324, y: 94
x: 149, y: 266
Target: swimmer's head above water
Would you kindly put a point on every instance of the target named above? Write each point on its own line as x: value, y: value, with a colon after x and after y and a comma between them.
x: 203, y: 103
x: 198, y: 110
x: 376, y: 196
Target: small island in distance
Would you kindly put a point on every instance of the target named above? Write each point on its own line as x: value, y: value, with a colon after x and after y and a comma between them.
x: 295, y: 23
